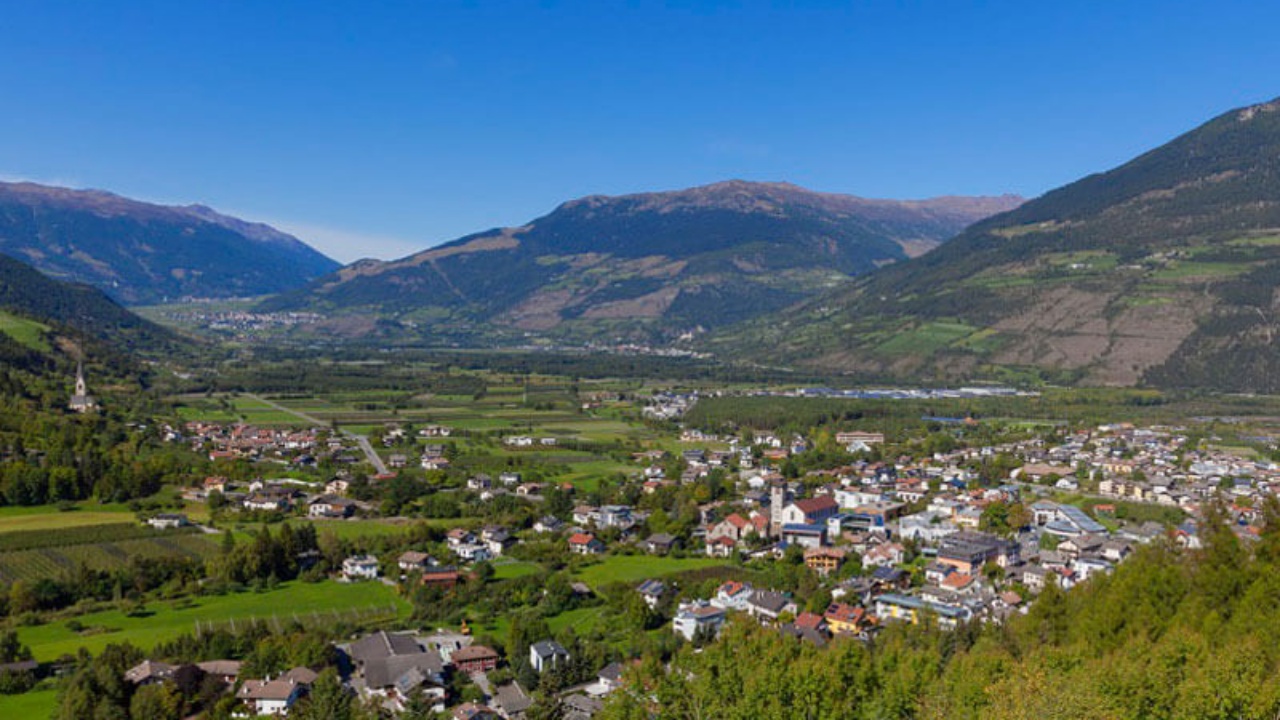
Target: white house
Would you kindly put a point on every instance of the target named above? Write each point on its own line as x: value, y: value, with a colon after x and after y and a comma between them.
x: 360, y: 567
x: 547, y: 654
x: 698, y: 617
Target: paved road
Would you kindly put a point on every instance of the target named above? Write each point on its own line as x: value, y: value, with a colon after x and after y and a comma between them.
x: 361, y: 440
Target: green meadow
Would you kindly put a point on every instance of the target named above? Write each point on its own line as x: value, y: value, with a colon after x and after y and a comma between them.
x: 307, y: 603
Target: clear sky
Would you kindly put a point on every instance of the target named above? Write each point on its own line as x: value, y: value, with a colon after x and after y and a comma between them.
x: 373, y: 129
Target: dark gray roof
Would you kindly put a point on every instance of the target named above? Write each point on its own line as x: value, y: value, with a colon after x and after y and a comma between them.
x: 769, y: 600
x: 549, y: 648
x: 512, y: 699
x: 580, y: 707
x: 383, y: 672
x: 382, y: 645
x: 652, y: 587
x: 611, y: 672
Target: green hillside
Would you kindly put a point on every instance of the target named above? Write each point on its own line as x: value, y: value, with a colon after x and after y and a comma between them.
x: 638, y: 267
x: 1160, y: 271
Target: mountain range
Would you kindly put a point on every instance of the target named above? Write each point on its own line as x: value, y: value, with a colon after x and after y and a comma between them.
x: 640, y: 267
x: 1162, y: 271
x: 141, y: 253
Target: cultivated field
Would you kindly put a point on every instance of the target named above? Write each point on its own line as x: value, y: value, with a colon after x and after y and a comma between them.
x: 306, y: 603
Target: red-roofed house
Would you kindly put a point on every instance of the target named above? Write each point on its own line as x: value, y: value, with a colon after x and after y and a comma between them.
x: 585, y: 544
x: 845, y: 619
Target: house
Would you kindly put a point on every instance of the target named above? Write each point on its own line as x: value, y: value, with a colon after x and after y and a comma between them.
x: 547, y: 654
x: 165, y: 521
x: 807, y: 536
x: 890, y: 577
x: 824, y: 560
x: 147, y: 672
x: 610, y: 677
x: 843, y: 619
x: 935, y: 572
x: 331, y: 506
x: 360, y: 567
x: 580, y: 707
x: 732, y: 595
x: 892, y: 606
x: 1034, y: 577
x: 497, y: 539
x: 267, y: 501
x: 548, y: 524
x: 698, y: 619
x: 511, y: 700
x: 585, y: 514
x: 808, y: 626
x: 660, y: 544
x: 734, y: 527
x: 411, y: 560
x: 884, y: 555
x: 969, y: 551
x: 396, y: 666
x: 441, y: 576
x: 768, y: 604
x: 1076, y: 547
x: 585, y: 544
x: 473, y: 552
x: 856, y: 436
x: 225, y: 670
x: 811, y: 511
x: 474, y: 711
x: 618, y: 516
x: 458, y: 537
x: 720, y: 547
x: 435, y: 463
x: 474, y: 659
x: 652, y: 592
x: 276, y: 697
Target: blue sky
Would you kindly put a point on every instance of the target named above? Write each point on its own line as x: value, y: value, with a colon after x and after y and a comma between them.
x: 373, y: 129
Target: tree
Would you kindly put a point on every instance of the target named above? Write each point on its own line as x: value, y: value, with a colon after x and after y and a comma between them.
x: 160, y: 701
x: 11, y: 649
x: 328, y: 699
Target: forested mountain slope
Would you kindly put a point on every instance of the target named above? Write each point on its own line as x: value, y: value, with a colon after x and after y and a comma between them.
x: 1162, y: 270
x: 643, y: 267
x: 141, y: 253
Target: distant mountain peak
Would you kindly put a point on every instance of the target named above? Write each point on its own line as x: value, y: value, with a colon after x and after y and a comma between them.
x: 141, y: 252
x: 646, y: 265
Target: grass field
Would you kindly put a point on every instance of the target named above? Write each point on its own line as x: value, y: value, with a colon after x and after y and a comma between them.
x: 925, y: 339
x: 37, y: 704
x: 633, y: 568
x: 308, y: 603
x: 46, y: 518
x: 507, y: 570
x: 25, y: 332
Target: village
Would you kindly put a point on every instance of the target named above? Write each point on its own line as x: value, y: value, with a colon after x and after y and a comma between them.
x: 921, y: 540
